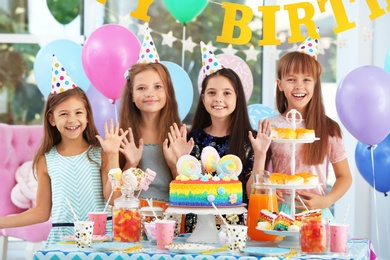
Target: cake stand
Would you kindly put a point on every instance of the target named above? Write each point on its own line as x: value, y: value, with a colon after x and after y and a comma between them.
x: 206, y: 230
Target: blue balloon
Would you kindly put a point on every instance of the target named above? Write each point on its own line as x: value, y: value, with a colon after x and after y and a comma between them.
x: 103, y: 109
x: 69, y: 55
x: 182, y: 84
x: 380, y: 177
x: 387, y: 62
x: 259, y: 112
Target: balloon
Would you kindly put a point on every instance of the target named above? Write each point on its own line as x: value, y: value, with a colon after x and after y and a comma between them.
x: 70, y: 7
x: 240, y: 67
x: 182, y: 84
x: 107, y: 53
x: 363, y: 104
x: 103, y: 109
x: 387, y: 62
x: 69, y: 54
x: 381, y: 174
x: 185, y: 11
x: 259, y: 112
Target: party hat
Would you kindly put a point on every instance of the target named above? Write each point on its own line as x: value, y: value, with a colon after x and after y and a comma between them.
x: 210, y: 63
x: 148, y: 52
x: 309, y: 46
x: 60, y: 80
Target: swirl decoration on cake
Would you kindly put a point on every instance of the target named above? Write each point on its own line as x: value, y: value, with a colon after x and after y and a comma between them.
x: 188, y: 167
x: 210, y: 159
x: 229, y: 165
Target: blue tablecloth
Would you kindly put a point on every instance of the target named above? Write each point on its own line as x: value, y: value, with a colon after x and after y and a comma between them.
x: 358, y: 249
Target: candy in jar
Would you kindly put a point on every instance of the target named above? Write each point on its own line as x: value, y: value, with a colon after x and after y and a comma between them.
x: 314, y: 236
x: 126, y: 217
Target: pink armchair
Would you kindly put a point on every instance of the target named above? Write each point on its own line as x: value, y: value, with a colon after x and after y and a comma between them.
x: 18, y: 144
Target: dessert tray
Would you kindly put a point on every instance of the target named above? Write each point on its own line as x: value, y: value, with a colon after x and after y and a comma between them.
x: 267, y: 251
x: 95, y: 238
x: 291, y: 238
x: 188, y: 248
x: 288, y: 186
x: 294, y: 141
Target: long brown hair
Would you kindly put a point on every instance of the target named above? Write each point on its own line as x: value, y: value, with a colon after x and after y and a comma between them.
x: 296, y: 62
x: 52, y: 136
x: 239, y: 124
x: 130, y: 115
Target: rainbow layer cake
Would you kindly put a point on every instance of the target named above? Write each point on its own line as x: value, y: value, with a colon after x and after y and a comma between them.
x: 217, y: 184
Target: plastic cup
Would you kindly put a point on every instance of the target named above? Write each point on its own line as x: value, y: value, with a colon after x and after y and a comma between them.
x: 177, y: 219
x: 164, y: 230
x: 237, y: 237
x: 83, y: 233
x: 338, y: 237
x: 150, y: 230
x: 147, y: 217
x: 100, y: 219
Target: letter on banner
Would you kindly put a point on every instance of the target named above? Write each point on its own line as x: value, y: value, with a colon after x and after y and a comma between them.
x: 340, y: 15
x: 295, y: 21
x: 229, y: 22
x: 269, y: 29
x: 142, y: 10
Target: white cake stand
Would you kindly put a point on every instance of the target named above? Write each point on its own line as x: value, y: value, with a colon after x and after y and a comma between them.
x: 205, y: 230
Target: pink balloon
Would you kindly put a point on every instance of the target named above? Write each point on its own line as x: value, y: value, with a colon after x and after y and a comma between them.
x: 107, y: 53
x: 240, y: 67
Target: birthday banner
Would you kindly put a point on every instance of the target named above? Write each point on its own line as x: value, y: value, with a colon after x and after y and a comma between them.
x: 185, y: 11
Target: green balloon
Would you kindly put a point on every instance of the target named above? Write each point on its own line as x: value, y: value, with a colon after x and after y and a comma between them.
x: 64, y: 11
x: 185, y: 11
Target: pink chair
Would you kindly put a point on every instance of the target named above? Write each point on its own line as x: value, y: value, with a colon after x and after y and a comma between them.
x: 18, y: 144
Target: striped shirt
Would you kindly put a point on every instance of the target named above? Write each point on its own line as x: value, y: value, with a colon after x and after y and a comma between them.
x: 77, y: 179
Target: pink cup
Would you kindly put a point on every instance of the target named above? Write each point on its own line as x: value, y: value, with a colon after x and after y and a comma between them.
x: 100, y: 220
x: 338, y: 237
x: 164, y: 230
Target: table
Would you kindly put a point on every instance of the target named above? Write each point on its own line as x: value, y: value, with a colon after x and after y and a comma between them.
x: 357, y: 249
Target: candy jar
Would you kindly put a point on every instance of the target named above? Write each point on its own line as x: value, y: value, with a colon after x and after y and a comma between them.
x: 126, y: 217
x: 314, y: 236
x: 261, y: 197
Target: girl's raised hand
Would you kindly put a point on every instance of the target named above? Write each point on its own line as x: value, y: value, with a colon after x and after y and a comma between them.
x: 261, y: 143
x: 129, y: 149
x: 178, y: 144
x: 112, y: 137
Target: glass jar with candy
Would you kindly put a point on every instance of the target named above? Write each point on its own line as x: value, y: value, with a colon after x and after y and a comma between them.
x: 314, y: 236
x: 126, y: 217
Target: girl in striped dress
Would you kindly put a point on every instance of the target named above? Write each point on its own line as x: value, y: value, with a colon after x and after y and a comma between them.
x: 71, y: 164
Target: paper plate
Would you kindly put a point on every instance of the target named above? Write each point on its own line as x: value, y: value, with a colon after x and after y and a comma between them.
x: 188, y: 248
x: 95, y: 238
x: 112, y: 246
x: 266, y: 251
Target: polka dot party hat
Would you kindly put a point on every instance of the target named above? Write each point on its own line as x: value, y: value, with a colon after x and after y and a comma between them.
x: 60, y: 80
x: 210, y: 63
x: 148, y: 52
x: 309, y: 46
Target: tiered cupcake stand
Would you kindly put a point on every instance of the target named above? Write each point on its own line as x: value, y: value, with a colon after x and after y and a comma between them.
x: 206, y: 229
x: 291, y: 239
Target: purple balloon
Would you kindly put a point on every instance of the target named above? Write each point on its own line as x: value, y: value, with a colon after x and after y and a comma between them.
x: 103, y: 108
x: 363, y: 104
